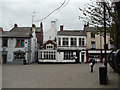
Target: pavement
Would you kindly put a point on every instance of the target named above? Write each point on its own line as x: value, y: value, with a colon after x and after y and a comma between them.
x: 55, y: 76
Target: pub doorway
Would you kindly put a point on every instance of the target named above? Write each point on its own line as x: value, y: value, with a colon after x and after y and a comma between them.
x: 4, y: 59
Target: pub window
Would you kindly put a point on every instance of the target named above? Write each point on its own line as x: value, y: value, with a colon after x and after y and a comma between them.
x: 40, y: 55
x: 65, y: 41
x: 73, y: 42
x: 20, y: 43
x: 5, y: 42
x: 68, y: 55
x: 49, y: 55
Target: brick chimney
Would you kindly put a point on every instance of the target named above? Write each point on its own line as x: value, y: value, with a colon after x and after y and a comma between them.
x: 41, y: 34
x: 15, y: 25
x: 61, y: 27
x: 1, y: 29
x: 41, y: 26
x: 33, y: 25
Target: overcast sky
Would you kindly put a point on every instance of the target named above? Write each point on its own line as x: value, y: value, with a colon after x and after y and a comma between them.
x: 21, y: 12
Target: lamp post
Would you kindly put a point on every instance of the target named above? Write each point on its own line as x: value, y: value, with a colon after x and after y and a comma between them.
x: 105, y: 45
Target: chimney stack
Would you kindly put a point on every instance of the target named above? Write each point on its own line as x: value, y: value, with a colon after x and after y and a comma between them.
x: 61, y: 27
x: 33, y: 25
x: 15, y: 25
x: 41, y: 25
x: 1, y: 29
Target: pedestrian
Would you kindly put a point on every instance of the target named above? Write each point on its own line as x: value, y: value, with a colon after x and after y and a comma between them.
x: 75, y: 57
x: 92, y: 63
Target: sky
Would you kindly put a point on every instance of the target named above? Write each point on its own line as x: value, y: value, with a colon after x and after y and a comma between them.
x: 21, y: 12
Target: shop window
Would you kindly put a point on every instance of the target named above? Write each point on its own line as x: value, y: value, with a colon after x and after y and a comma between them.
x: 20, y: 56
x: 68, y: 55
x: 19, y: 43
x: 5, y: 42
x: 65, y: 41
x: 73, y: 42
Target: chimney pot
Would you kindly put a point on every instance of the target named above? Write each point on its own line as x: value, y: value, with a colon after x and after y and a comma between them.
x: 15, y: 25
x: 33, y: 25
x: 41, y: 25
x: 61, y: 27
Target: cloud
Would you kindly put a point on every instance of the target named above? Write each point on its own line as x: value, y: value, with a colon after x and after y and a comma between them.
x: 20, y: 12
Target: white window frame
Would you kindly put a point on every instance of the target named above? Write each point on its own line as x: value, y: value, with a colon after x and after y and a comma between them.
x: 68, y: 55
x: 49, y: 46
x: 81, y: 41
x: 65, y: 41
x: 59, y: 41
x: 74, y: 41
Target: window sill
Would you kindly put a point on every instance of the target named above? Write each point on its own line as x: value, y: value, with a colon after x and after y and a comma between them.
x: 19, y: 47
x: 68, y: 59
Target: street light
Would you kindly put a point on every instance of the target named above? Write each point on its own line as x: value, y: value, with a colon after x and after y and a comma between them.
x: 105, y: 45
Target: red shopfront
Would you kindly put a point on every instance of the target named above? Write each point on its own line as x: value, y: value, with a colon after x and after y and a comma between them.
x: 98, y: 55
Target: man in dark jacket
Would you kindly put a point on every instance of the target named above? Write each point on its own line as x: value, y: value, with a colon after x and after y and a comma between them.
x: 92, y: 64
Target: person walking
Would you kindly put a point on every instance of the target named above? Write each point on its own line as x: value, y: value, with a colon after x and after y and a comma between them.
x: 92, y: 63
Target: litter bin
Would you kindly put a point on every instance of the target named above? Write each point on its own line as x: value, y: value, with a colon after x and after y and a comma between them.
x: 103, y: 75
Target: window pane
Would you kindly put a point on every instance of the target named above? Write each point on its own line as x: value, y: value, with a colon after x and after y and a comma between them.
x: 59, y: 41
x: 20, y: 43
x: 93, y: 45
x: 73, y: 42
x: 4, y: 42
x: 65, y: 41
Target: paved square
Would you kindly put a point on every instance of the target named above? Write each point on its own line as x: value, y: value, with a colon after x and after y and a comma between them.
x: 55, y: 76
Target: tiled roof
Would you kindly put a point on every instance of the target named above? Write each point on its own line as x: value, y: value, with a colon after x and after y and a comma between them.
x: 18, y: 32
x: 72, y: 33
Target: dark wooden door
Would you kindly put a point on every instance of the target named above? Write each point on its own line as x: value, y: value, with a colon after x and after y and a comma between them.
x: 4, y: 59
x: 77, y: 54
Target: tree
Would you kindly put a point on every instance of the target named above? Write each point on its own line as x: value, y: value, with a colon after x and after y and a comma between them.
x: 93, y: 14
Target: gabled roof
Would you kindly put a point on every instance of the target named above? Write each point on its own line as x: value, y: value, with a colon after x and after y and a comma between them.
x: 72, y: 33
x: 49, y: 42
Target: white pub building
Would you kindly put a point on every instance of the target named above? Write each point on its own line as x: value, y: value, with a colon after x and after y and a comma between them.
x: 71, y: 45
